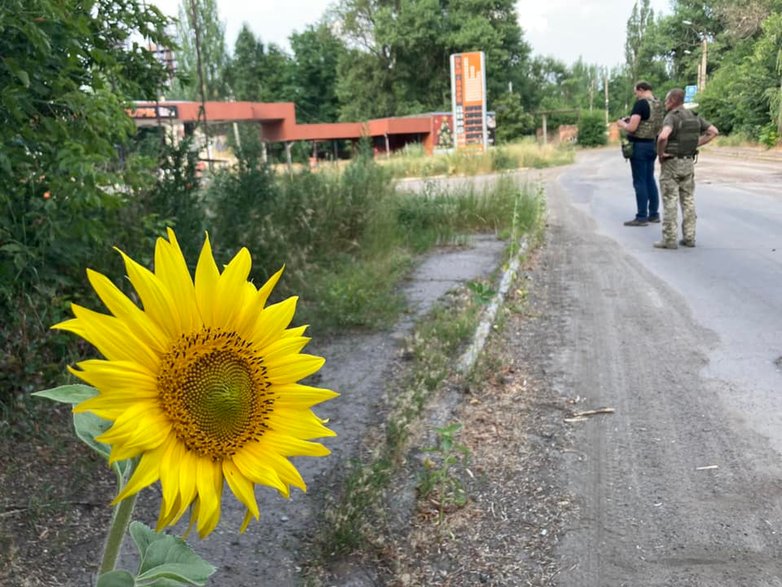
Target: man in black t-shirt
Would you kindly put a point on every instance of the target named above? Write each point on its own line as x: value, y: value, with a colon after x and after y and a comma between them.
x: 643, y: 126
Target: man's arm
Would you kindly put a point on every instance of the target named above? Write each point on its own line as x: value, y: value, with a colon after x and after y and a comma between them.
x: 662, y: 142
x: 630, y: 125
x: 708, y: 135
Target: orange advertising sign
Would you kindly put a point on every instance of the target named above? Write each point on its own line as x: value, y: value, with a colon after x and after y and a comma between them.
x: 468, y: 97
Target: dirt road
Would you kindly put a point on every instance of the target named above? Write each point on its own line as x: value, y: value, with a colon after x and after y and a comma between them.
x: 676, y: 487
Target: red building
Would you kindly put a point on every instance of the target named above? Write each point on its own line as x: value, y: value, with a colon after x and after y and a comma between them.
x: 277, y: 123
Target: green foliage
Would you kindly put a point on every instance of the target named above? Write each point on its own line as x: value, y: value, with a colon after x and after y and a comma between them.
x: 163, y: 560
x: 592, y: 129
x: 316, y: 54
x: 512, y: 120
x: 482, y: 292
x: 65, y: 70
x: 398, y: 58
x: 744, y: 93
x: 259, y: 73
x: 439, y: 481
x: 769, y: 135
x: 199, y: 21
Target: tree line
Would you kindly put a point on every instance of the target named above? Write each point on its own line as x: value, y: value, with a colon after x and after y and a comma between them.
x: 375, y: 58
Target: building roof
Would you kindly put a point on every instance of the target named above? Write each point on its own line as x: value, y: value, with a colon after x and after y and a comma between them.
x: 277, y: 120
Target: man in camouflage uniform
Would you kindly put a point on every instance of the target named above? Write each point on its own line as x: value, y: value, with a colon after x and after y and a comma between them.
x: 677, y: 145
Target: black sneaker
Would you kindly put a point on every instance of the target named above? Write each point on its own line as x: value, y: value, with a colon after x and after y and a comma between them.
x: 655, y: 219
x: 686, y: 243
x: 636, y: 222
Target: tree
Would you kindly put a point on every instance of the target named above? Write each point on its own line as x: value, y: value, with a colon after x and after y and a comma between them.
x: 201, y: 37
x: 397, y: 60
x: 67, y: 71
x: 246, y: 69
x: 512, y: 121
x: 637, y: 53
x: 316, y: 55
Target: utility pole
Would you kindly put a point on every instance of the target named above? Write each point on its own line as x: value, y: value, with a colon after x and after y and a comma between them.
x: 605, y: 88
x: 702, y: 69
x: 201, y: 83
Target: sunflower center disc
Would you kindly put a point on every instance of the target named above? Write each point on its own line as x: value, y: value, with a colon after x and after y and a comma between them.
x: 220, y: 394
x: 214, y: 389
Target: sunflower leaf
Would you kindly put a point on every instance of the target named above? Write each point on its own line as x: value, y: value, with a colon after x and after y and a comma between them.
x: 88, y: 426
x: 68, y: 394
x: 167, y: 559
x: 116, y: 579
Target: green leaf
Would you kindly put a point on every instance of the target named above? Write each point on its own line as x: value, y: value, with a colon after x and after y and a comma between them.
x: 68, y: 394
x: 88, y: 426
x: 167, y: 559
x: 116, y: 579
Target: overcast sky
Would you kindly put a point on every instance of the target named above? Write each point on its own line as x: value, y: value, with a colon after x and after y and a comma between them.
x: 564, y: 29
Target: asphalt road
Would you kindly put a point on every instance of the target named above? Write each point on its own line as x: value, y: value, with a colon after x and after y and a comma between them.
x: 682, y: 484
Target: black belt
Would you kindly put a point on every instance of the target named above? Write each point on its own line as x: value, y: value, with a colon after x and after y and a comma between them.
x: 682, y: 156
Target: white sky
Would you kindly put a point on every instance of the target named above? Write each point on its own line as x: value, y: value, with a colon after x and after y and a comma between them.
x: 563, y: 29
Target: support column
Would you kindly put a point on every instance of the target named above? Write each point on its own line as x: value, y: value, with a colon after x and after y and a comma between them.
x: 288, y: 158
x: 545, y: 130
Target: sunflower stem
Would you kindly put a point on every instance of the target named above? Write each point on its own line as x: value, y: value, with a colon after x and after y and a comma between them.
x: 123, y: 513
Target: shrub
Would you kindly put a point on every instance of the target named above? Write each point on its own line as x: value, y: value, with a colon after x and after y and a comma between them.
x: 592, y: 129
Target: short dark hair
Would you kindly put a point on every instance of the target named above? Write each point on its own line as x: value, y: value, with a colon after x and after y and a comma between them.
x: 644, y: 86
x: 676, y: 95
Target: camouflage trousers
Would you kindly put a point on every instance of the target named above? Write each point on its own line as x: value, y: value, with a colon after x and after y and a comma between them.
x: 677, y: 183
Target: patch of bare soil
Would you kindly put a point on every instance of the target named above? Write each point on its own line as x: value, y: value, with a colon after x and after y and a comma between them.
x: 54, y: 502
x: 512, y: 424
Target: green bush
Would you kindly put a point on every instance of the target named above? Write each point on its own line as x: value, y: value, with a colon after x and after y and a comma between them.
x: 592, y: 129
x: 769, y: 136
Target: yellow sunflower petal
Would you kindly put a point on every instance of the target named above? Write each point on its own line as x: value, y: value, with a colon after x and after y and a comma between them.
x: 257, y: 457
x: 242, y: 487
x: 302, y: 396
x: 272, y: 321
x: 171, y: 269
x: 110, y: 375
x: 110, y: 336
x: 248, y: 516
x: 188, y: 471
x: 155, y: 297
x: 299, y: 423
x: 289, y: 446
x: 258, y: 471
x: 298, y: 331
x: 206, y: 277
x: 146, y: 473
x: 134, y: 318
x: 290, y: 345
x: 144, y: 427
x: 169, y: 478
x: 210, y: 489
x: 292, y: 368
x: 230, y: 286
x: 266, y: 289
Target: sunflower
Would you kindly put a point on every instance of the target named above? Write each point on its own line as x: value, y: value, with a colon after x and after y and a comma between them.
x: 200, y: 383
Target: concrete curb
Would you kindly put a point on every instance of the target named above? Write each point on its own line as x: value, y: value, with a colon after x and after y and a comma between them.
x: 468, y: 359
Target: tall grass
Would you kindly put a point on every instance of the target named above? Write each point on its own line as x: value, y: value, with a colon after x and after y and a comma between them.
x: 348, y: 237
x: 414, y: 162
